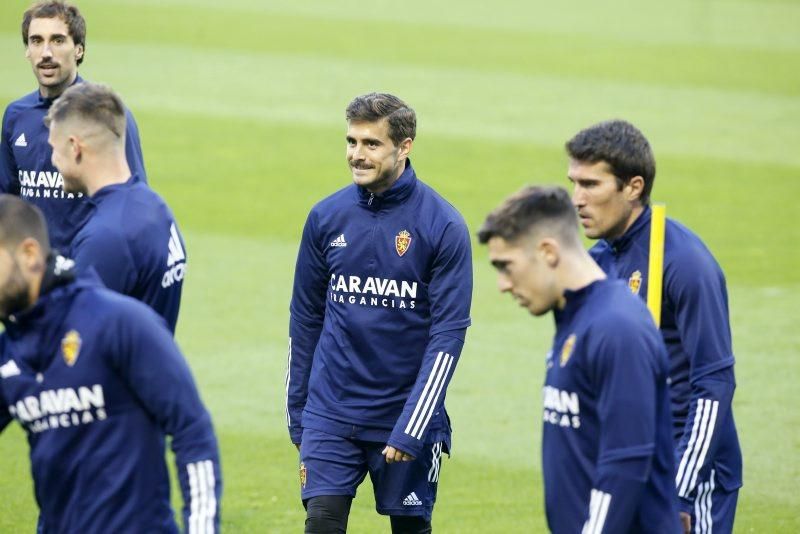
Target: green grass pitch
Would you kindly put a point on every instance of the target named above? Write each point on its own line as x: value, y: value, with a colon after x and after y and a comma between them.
x: 241, y: 103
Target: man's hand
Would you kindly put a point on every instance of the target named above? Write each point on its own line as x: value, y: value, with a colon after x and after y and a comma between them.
x: 686, y: 523
x: 395, y: 455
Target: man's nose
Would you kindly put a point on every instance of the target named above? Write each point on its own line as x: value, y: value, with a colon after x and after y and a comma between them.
x: 578, y: 197
x: 503, y: 284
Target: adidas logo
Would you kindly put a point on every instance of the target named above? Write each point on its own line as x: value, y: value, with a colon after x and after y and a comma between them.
x: 176, y: 264
x: 21, y: 141
x: 176, y: 253
x: 63, y: 265
x: 10, y: 369
x: 412, y: 500
x: 339, y: 242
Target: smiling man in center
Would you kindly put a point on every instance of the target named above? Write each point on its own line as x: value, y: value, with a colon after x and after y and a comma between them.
x: 379, y: 312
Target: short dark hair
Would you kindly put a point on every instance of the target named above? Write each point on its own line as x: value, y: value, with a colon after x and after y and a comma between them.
x: 20, y: 220
x: 373, y: 107
x: 51, y: 9
x: 530, y: 210
x: 93, y: 102
x: 622, y: 146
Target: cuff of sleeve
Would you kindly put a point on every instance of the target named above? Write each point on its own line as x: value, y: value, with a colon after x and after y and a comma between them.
x: 405, y: 443
x: 296, y: 434
x: 686, y: 505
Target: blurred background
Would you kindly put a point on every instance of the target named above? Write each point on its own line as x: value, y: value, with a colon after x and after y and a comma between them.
x: 240, y: 106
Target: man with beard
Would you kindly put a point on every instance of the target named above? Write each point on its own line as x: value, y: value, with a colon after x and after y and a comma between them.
x: 97, y: 383
x: 379, y: 313
x: 131, y: 238
x: 54, y: 35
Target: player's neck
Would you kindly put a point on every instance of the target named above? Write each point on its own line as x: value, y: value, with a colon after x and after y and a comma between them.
x: 577, y: 270
x: 105, y: 173
x: 52, y: 92
x: 633, y: 216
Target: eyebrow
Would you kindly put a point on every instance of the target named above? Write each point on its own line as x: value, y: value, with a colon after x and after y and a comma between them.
x: 583, y: 179
x: 365, y: 140
x: 40, y: 36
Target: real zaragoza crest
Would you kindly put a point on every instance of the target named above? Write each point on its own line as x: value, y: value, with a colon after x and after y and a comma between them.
x: 402, y: 242
x: 635, y: 282
x: 566, y: 350
x: 71, y: 347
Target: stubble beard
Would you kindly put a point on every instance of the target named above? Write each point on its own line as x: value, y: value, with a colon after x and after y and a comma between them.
x: 14, y: 296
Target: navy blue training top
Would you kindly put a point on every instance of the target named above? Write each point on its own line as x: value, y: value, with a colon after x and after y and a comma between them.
x: 607, y: 454
x: 26, y: 169
x: 379, y: 311
x: 97, y: 383
x: 132, y: 240
x: 696, y: 329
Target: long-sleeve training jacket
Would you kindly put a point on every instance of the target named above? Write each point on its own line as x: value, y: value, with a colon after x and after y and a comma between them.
x: 379, y: 312
x: 697, y: 332
x: 97, y: 383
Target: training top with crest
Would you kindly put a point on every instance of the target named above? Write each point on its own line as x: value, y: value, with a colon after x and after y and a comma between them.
x: 381, y: 304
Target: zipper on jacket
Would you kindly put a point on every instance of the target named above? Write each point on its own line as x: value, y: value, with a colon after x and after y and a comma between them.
x: 371, y: 198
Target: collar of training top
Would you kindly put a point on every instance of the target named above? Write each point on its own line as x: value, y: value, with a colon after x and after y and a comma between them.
x: 624, y: 241
x: 574, y: 301
x: 110, y: 189
x: 47, y: 102
x: 59, y: 271
x: 396, y: 194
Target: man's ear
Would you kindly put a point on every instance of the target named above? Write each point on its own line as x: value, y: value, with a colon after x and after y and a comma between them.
x: 634, y: 189
x: 76, y: 147
x: 405, y: 147
x: 549, y: 251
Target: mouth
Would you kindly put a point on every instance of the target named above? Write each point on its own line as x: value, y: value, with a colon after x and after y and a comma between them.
x: 357, y: 168
x: 48, y: 67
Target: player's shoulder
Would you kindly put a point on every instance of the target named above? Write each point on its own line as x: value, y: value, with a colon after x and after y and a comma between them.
x: 621, y: 323
x: 142, y: 195
x: 100, y: 304
x: 135, y: 204
x: 18, y: 107
x: 685, y: 250
x: 335, y: 205
x: 346, y: 196
x: 436, y: 207
x: 600, y: 248
x: 614, y: 309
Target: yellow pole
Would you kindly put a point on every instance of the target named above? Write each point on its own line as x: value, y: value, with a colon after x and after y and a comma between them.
x: 655, y: 268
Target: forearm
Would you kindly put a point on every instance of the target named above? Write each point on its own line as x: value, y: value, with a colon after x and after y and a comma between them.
x: 303, y: 341
x: 708, y: 409
x: 427, y: 396
x: 613, y: 503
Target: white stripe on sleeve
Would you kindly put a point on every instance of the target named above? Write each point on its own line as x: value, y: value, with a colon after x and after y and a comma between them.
x: 288, y: 377
x: 695, y: 453
x: 698, y: 415
x: 202, y: 494
x: 598, y: 510
x: 430, y: 395
x: 212, y: 496
x: 431, y: 405
x: 194, y: 499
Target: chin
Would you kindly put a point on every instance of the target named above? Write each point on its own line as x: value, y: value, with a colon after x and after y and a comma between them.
x: 363, y: 180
